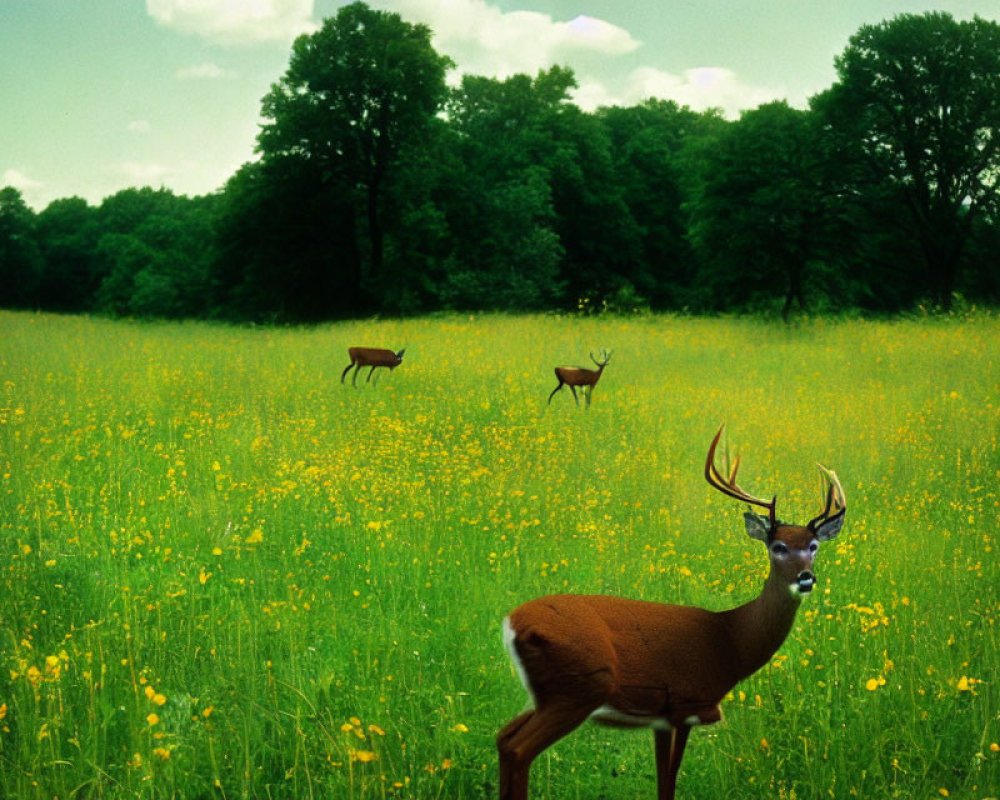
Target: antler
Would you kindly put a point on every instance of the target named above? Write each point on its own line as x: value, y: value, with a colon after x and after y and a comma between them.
x: 835, y: 500
x: 729, y: 487
x: 605, y: 355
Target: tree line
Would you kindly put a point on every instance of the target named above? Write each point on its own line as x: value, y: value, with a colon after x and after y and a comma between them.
x: 377, y: 188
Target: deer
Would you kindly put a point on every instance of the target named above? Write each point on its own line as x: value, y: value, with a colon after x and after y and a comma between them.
x: 370, y: 357
x: 583, y: 377
x: 636, y: 663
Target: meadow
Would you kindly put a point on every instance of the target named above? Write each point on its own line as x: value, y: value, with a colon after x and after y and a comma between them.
x: 224, y: 574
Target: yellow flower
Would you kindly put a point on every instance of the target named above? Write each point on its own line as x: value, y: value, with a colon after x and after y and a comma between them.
x: 364, y: 756
x: 256, y: 536
x: 152, y: 719
x: 161, y: 752
x: 460, y: 728
x: 872, y: 684
x: 3, y: 712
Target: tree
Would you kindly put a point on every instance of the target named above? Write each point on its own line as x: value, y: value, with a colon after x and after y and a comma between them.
x: 282, y: 242
x: 67, y: 234
x: 506, y: 250
x: 524, y: 144
x: 762, y: 220
x: 153, y: 255
x: 650, y: 146
x: 20, y: 257
x: 356, y: 95
x: 917, y: 112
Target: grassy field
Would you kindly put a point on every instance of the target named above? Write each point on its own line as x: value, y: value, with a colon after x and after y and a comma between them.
x: 224, y: 574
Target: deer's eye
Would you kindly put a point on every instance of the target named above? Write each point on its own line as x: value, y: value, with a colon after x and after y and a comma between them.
x: 813, y: 547
x: 779, y: 549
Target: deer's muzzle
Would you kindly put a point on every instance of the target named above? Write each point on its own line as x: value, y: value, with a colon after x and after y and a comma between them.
x: 805, y: 582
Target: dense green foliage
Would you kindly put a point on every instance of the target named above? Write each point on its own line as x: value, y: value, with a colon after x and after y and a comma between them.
x: 226, y: 575
x: 379, y: 189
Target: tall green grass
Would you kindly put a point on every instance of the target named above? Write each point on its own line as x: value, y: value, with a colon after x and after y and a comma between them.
x: 224, y: 574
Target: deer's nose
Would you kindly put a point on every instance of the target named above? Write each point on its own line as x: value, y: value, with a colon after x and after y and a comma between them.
x: 805, y: 581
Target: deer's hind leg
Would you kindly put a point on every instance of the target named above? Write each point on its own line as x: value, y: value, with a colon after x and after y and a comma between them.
x: 527, y: 735
x: 670, y: 746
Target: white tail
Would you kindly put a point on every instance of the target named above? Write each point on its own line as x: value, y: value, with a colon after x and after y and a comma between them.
x: 583, y: 377
x: 370, y: 357
x: 642, y: 664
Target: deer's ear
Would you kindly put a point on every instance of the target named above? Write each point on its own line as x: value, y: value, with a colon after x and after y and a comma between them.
x: 829, y: 528
x: 758, y: 527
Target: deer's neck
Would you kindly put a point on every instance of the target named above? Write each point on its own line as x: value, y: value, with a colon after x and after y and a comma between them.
x: 759, y: 627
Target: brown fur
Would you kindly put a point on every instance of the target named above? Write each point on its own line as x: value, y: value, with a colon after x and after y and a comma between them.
x: 647, y: 664
x: 370, y: 357
x: 582, y: 377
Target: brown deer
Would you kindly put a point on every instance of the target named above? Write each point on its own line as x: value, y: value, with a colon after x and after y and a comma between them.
x: 370, y: 357
x: 585, y: 378
x: 635, y: 663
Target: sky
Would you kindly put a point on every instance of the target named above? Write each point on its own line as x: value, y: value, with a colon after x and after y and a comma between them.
x: 100, y: 95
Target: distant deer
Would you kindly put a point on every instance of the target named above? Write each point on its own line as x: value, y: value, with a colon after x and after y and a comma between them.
x: 634, y: 663
x: 370, y: 357
x: 585, y: 378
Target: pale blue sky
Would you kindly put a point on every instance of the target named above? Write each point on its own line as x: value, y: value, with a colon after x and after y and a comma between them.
x: 98, y: 95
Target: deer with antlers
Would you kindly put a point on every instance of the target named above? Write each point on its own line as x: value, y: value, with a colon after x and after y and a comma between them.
x: 583, y: 377
x: 370, y: 357
x: 667, y: 667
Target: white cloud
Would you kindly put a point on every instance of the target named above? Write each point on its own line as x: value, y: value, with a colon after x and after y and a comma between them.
x: 699, y: 89
x: 483, y: 40
x: 145, y: 173
x: 207, y: 71
x: 234, y: 22
x: 20, y: 181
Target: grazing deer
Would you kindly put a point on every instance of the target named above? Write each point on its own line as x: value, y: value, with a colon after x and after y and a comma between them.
x: 585, y: 378
x: 370, y: 357
x: 634, y: 663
